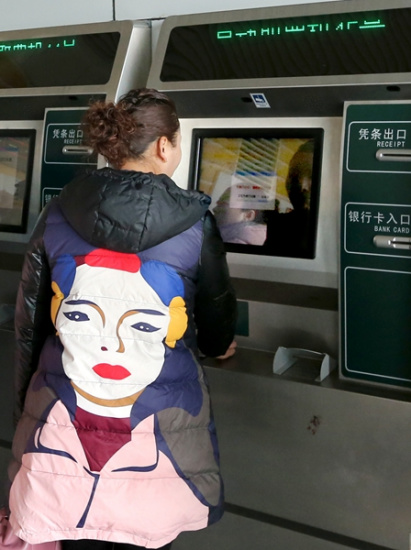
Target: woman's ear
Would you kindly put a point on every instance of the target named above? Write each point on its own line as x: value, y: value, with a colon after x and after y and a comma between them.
x: 162, y: 144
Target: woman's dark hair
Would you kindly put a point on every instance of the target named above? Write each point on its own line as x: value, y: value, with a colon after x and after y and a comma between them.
x: 124, y: 130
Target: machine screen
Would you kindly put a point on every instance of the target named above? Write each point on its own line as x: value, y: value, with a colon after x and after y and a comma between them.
x: 264, y: 185
x: 16, y: 162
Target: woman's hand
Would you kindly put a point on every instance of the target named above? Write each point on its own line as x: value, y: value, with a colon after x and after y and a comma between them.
x: 230, y: 351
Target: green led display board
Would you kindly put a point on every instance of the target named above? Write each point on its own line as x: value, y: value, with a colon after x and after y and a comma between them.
x: 319, y: 25
x: 85, y: 59
x: 371, y: 42
x: 38, y: 44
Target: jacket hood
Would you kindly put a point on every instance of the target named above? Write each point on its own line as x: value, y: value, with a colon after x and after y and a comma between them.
x: 129, y: 211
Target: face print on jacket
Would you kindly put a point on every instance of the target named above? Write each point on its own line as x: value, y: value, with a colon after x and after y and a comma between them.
x: 114, y: 323
x: 118, y: 321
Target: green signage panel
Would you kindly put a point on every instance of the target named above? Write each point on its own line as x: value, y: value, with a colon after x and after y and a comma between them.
x: 376, y: 244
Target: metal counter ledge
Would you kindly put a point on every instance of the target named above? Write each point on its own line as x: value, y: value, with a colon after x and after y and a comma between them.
x: 260, y: 363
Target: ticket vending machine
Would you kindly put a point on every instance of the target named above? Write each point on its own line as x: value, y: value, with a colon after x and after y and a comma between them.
x: 375, y: 277
x: 279, y: 74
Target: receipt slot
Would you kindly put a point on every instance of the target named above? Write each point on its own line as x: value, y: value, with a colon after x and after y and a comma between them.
x: 375, y: 269
x: 65, y: 154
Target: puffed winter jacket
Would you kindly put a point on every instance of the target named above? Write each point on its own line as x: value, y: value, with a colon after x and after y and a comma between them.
x: 125, y: 279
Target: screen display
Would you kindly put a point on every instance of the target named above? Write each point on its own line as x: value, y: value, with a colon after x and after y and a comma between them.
x: 16, y: 163
x: 264, y: 186
x: 374, y: 42
x: 80, y: 60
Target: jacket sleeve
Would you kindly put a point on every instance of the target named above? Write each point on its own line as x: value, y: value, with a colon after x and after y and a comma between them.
x: 215, y: 310
x: 32, y: 318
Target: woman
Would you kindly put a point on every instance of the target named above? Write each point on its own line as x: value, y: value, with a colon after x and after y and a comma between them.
x: 115, y: 443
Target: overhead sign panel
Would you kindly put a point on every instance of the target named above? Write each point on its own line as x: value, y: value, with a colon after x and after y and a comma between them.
x: 314, y: 45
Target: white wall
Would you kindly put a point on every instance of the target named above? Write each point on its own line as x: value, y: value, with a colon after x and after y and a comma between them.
x: 29, y: 14
x: 26, y: 14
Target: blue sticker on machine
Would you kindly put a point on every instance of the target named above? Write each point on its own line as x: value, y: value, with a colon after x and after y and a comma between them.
x: 260, y: 101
